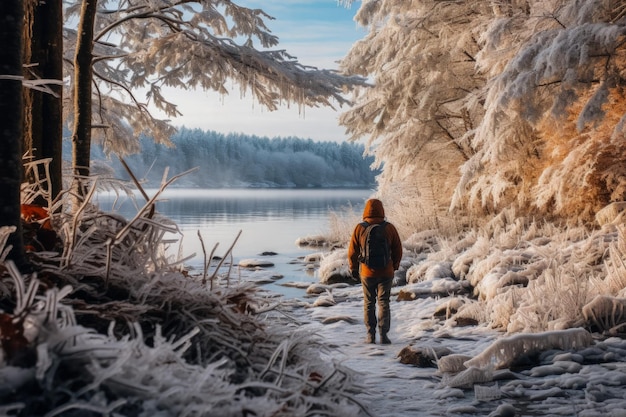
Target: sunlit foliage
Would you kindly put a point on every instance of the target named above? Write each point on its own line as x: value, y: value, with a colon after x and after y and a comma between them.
x: 510, y: 104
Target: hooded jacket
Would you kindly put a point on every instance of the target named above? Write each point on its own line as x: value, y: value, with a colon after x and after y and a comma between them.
x: 374, y: 213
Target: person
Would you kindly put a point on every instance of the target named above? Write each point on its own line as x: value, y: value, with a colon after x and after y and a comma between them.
x: 376, y: 283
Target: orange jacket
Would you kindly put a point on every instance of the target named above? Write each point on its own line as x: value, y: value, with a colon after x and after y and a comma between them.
x: 374, y: 213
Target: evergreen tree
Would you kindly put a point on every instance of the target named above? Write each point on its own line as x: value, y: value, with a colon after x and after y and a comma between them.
x: 240, y: 160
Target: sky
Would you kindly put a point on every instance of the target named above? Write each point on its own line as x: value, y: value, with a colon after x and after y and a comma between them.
x: 318, y: 33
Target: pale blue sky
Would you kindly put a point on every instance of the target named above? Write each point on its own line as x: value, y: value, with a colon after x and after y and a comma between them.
x: 318, y: 33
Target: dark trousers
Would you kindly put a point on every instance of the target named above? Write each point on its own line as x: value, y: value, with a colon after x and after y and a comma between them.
x: 377, y: 289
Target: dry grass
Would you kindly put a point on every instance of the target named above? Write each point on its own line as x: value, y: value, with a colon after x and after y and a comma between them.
x: 113, y: 325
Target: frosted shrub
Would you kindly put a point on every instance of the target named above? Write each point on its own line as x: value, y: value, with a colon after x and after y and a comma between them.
x: 574, y: 261
x: 615, y: 281
x: 501, y: 308
x: 334, y: 263
x: 611, y: 214
x: 415, y: 273
x: 342, y: 224
x: 543, y: 281
x: 465, y: 260
x: 76, y: 366
x: 606, y: 313
x: 423, y: 241
x: 556, y: 299
x: 482, y: 266
x: 427, y: 271
x: 511, y: 236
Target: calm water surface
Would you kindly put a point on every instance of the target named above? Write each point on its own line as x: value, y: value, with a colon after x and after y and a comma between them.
x: 270, y: 221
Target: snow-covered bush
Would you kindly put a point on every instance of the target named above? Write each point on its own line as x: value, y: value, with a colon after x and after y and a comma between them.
x: 428, y: 270
x: 333, y: 266
x: 342, y: 224
x: 471, y: 311
x: 425, y: 241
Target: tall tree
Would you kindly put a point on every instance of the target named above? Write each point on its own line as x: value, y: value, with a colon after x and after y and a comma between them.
x: 83, y: 78
x: 11, y: 20
x: 421, y: 56
x: 43, y: 59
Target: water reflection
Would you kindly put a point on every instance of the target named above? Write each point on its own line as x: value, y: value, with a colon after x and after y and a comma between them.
x: 207, y: 206
x: 270, y: 220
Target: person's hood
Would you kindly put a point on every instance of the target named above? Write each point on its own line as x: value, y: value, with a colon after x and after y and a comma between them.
x: 373, y: 209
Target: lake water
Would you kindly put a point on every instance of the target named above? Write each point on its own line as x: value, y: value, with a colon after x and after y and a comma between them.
x: 270, y: 220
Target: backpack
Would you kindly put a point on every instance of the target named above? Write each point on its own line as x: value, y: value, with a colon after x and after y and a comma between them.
x: 375, y: 252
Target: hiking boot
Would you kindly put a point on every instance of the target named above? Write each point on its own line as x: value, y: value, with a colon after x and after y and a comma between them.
x: 370, y: 338
x: 384, y: 339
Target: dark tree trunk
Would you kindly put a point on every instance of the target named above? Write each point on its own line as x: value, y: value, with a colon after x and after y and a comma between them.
x: 11, y: 21
x: 52, y: 107
x: 43, y: 129
x: 83, y: 76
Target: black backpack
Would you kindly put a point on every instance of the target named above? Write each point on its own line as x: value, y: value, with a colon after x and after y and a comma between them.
x: 375, y: 252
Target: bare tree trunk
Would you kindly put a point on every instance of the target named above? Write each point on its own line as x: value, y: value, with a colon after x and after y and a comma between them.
x: 11, y: 21
x: 83, y: 77
x: 52, y: 107
x: 43, y: 51
x: 27, y: 38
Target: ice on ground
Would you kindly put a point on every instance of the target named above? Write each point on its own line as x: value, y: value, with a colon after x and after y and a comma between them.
x: 570, y: 374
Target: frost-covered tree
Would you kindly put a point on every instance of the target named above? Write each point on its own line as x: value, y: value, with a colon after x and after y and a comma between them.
x: 552, y: 139
x: 421, y: 56
x: 139, y: 47
x: 525, y: 97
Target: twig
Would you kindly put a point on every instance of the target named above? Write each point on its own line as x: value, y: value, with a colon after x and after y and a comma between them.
x: 206, y: 263
x: 219, y: 265
x: 134, y: 178
x: 72, y: 243
x: 150, y: 203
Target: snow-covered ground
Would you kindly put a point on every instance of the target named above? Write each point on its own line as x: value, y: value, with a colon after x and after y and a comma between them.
x: 587, y: 381
x: 542, y: 366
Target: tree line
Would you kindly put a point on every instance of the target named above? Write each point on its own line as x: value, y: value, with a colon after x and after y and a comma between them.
x: 239, y: 160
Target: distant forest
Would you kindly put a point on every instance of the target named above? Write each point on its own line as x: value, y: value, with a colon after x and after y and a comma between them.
x: 238, y: 160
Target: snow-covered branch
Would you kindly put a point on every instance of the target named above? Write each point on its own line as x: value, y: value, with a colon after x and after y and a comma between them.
x: 194, y: 44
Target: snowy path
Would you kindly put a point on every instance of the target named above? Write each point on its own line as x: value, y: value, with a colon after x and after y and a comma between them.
x: 587, y: 384
x: 396, y: 389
